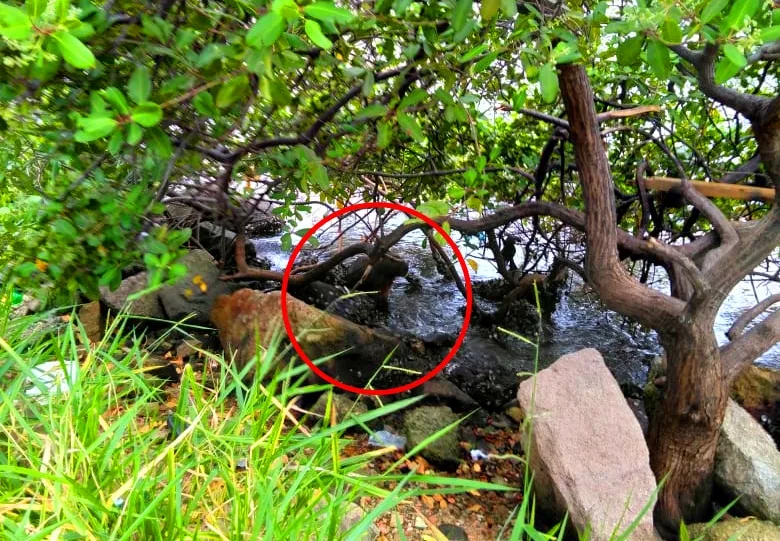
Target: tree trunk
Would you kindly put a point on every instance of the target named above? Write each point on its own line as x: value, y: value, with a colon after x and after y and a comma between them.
x: 684, y: 431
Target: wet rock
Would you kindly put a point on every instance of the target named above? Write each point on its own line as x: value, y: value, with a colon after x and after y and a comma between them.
x: 747, y: 464
x: 361, y: 309
x: 737, y: 528
x: 91, y: 318
x: 147, y: 306
x: 420, y: 423
x: 194, y: 293
x: 379, y: 278
x: 587, y: 452
x: 481, y: 369
x: 439, y: 390
x: 343, y: 405
x: 453, y: 532
x: 247, y: 313
x: 638, y: 407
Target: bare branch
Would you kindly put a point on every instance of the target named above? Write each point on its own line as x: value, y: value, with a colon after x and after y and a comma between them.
x: 744, y: 320
x: 744, y: 350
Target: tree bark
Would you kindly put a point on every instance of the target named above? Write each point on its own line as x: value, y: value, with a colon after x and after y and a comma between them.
x: 684, y: 432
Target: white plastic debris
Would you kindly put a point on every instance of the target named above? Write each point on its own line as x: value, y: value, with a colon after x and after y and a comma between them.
x: 479, y: 454
x: 384, y: 438
x: 51, y: 378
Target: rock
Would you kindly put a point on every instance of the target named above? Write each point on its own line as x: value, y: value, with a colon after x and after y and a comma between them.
x: 91, y: 318
x: 380, y: 277
x: 747, y: 464
x: 188, y: 348
x: 758, y: 391
x: 638, y: 407
x: 343, y: 405
x: 218, y: 241
x: 738, y: 529
x: 420, y: 423
x: 29, y: 305
x: 439, y: 390
x: 353, y: 515
x: 194, y: 293
x: 587, y: 452
x: 453, y: 532
x: 147, y: 306
x: 516, y: 414
x: 245, y: 314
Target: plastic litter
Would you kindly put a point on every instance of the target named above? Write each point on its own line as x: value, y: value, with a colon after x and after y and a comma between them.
x: 384, y: 438
x: 51, y: 378
x: 479, y: 454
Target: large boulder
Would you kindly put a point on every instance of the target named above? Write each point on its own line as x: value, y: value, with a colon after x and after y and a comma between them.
x: 194, y: 294
x: 586, y: 448
x: 747, y: 464
x: 421, y: 423
x: 737, y: 528
x: 356, y: 352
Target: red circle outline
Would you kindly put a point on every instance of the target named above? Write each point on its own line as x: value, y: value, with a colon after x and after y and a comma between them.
x: 466, y: 318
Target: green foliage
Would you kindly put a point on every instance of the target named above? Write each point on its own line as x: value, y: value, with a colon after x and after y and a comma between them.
x: 308, y: 96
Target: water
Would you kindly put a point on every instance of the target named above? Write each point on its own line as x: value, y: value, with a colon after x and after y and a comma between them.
x: 579, y: 320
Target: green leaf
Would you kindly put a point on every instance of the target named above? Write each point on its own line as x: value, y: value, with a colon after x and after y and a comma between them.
x: 509, y: 7
x: 204, y: 104
x: 629, y: 50
x: 548, y: 81
x: 326, y: 11
x: 474, y: 203
x: 734, y: 55
x: 14, y: 23
x: 115, y: 97
x: 456, y: 192
x: 147, y: 114
x: 115, y: 144
x: 383, y: 135
x: 375, y: 110
x: 94, y: 127
x: 61, y: 8
x: 74, y: 51
x: 712, y: 10
x: 35, y: 8
x: 484, y: 62
x: 410, y: 127
x: 134, y: 134
x: 740, y: 10
x: 771, y: 33
x: 159, y: 143
x: 413, y: 98
x: 314, y: 31
x: 434, y: 208
x: 658, y: 58
x: 461, y: 13
x: 671, y: 32
x: 139, y: 88
x: 725, y: 69
x: 266, y: 30
x: 232, y: 90
x: 489, y: 8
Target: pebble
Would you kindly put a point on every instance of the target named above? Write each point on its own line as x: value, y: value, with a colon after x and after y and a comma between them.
x: 419, y: 523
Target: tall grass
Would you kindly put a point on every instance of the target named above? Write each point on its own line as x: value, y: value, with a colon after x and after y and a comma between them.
x: 120, y: 455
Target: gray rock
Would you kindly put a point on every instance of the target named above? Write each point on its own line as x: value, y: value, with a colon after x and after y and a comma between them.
x: 453, y: 532
x: 587, y: 450
x: 353, y: 515
x: 194, y: 293
x: 343, y: 405
x: 443, y: 391
x: 740, y: 529
x: 147, y: 306
x: 420, y: 423
x: 747, y: 464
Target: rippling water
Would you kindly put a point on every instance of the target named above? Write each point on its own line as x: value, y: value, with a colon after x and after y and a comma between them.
x: 579, y: 321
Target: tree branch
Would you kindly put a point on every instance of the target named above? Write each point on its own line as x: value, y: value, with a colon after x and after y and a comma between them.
x: 616, y: 288
x: 744, y: 320
x: 744, y: 350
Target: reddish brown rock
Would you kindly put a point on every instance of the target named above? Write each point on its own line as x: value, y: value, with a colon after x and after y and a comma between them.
x: 246, y: 314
